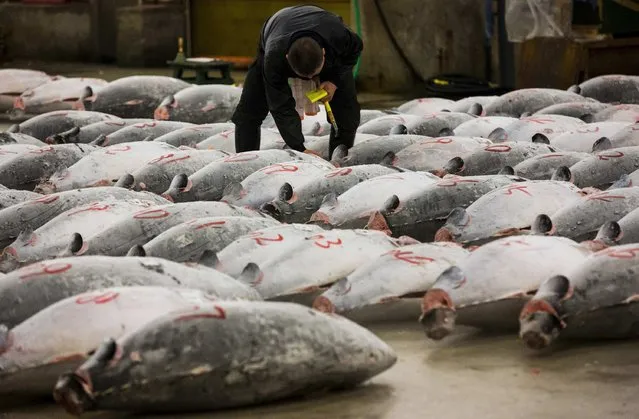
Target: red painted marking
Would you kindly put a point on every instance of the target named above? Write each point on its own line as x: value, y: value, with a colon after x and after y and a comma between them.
x: 262, y: 241
x: 446, y: 140
x: 280, y: 168
x: 116, y: 150
x: 241, y: 157
x: 609, y: 155
x: 47, y: 199
x: 145, y: 125
x: 327, y: 243
x: 98, y: 299
x: 340, y: 172
x: 151, y: 214
x: 540, y: 120
x: 410, y: 257
x: 53, y: 269
x: 5, y: 152
x: 167, y: 159
x: 219, y: 314
x: 499, y: 148
x: 587, y: 130
x: 512, y: 188
x: 455, y: 181
x: 214, y: 224
x: 546, y: 156
x: 41, y: 150
x: 604, y: 196
x: 511, y: 242
x: 226, y: 134
x: 115, y: 123
x: 385, y: 177
x: 94, y: 207
x: 622, y: 254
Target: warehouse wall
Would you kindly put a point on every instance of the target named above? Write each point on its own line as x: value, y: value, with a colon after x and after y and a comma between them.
x: 436, y: 38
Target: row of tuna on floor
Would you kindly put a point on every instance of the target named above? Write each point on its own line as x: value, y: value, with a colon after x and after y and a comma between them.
x: 190, y: 277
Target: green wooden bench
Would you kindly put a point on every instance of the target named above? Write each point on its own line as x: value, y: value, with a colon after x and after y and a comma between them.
x: 202, y: 67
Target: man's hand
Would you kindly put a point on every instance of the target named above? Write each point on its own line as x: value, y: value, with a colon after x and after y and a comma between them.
x: 313, y: 153
x: 330, y: 89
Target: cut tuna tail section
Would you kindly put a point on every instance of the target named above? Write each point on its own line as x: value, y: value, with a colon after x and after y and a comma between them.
x: 609, y: 233
x: 137, y: 251
x: 543, y: 225
x: 562, y: 173
x: 498, y: 135
x: 540, y: 139
x: 540, y: 320
x: 251, y: 274
x: 399, y: 129
x: 209, y: 259
x: 623, y: 182
x: 126, y: 181
x: 476, y: 109
x: 454, y: 165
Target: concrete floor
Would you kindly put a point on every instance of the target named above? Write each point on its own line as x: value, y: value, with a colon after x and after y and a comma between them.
x: 468, y: 375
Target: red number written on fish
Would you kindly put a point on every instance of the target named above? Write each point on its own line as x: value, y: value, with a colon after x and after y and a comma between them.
x: 340, y: 172
x: 609, y: 155
x: 115, y: 150
x: 240, y: 157
x: 539, y: 120
x: 145, y: 125
x: 46, y: 199
x: 98, y: 299
x: 604, y: 196
x: 321, y: 241
x: 166, y: 159
x: 214, y: 224
x: 42, y: 150
x: 587, y: 130
x: 219, y: 314
x: 151, y: 214
x: 446, y: 140
x: 52, y: 269
x: 410, y: 257
x: 512, y: 188
x: 280, y: 168
x: 94, y: 207
x: 455, y: 181
x: 263, y: 241
x: 499, y: 148
x: 622, y: 254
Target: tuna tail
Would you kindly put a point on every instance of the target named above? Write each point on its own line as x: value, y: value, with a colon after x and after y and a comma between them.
x: 398, y: 130
x: 454, y: 165
x: 601, y: 144
x: 540, y: 320
x: 458, y: 217
x: 272, y: 209
x: 137, y: 251
x: 76, y: 246
x: 498, y: 135
x: 251, y: 275
x: 74, y: 391
x: 476, y: 109
x: 330, y: 200
x: 540, y: 139
x: 101, y: 141
x: 507, y: 170
x: 15, y: 128
x: 543, y: 225
x: 209, y: 259
x: 623, y: 182
x: 391, y: 204
x: 445, y: 132
x: 574, y: 89
x: 24, y: 237
x: 609, y: 233
x: 63, y: 137
x: 286, y: 192
x: 389, y: 159
x: 85, y: 100
x: 562, y: 173
x: 179, y: 184
x: 339, y: 154
x: 377, y: 221
x: 126, y: 181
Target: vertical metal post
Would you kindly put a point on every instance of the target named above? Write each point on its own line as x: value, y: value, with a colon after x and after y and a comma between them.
x: 506, y: 50
x: 187, y: 29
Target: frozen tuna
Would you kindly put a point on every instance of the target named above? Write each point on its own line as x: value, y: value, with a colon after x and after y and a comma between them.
x: 263, y: 185
x: 353, y: 208
x: 594, y: 300
x: 621, y: 113
x: 27, y: 169
x: 489, y: 288
x: 93, y: 132
x: 384, y: 125
x: 296, y: 205
x: 225, y: 141
x: 26, y: 291
x: 583, y: 138
x: 529, y: 101
x: 133, y: 96
x: 582, y: 110
x: 610, y: 88
x: 200, y: 104
x: 536, y: 128
x: 507, y: 210
x: 17, y: 138
x: 432, y: 154
x: 143, y: 131
x: 211, y: 372
x: 189, y: 241
x: 483, y: 126
x: 51, y: 123
x: 9, y: 197
x: 421, y: 215
x: 406, y: 272
x: 15, y: 81
x: 373, y: 151
x: 425, y: 105
x: 544, y: 166
x: 602, y: 169
x: 190, y: 136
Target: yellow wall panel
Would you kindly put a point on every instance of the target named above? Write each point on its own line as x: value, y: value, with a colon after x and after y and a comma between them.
x: 232, y: 27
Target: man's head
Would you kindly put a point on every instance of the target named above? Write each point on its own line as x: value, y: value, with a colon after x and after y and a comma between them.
x: 306, y: 57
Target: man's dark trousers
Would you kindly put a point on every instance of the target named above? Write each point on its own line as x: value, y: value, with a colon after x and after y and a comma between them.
x: 253, y: 108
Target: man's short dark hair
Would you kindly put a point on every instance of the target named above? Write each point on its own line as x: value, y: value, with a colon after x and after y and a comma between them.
x: 305, y: 56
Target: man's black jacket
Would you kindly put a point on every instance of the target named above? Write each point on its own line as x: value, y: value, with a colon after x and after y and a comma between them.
x: 342, y: 48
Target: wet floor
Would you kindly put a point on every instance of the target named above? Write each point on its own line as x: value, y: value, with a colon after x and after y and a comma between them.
x: 466, y: 375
